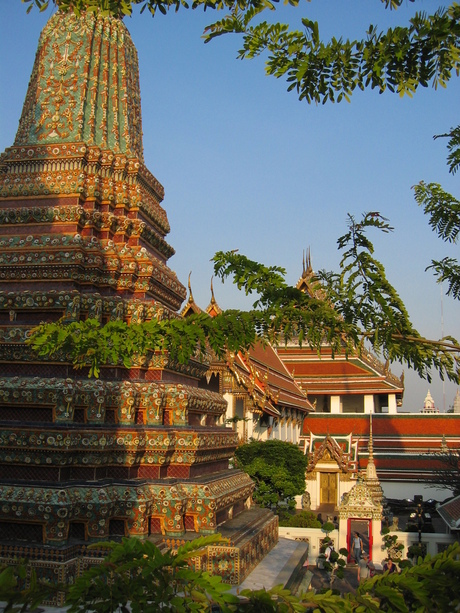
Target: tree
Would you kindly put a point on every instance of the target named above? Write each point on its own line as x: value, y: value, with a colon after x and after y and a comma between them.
x: 400, y: 60
x: 346, y: 310
x: 443, y: 211
x: 357, y: 306
x: 447, y: 472
x: 135, y: 576
x: 278, y: 469
x: 393, y: 547
x: 137, y: 571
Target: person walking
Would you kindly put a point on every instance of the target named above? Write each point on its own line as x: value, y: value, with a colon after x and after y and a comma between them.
x: 363, y: 568
x: 357, y: 547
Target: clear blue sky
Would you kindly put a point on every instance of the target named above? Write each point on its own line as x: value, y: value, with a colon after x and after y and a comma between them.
x: 246, y: 165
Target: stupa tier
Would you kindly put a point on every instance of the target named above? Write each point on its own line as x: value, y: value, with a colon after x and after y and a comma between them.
x: 144, y: 450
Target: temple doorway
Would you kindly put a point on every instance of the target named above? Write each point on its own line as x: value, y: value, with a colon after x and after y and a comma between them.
x: 364, y: 528
x: 328, y: 488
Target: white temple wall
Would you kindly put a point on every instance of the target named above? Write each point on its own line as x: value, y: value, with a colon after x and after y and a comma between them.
x: 435, y: 542
x: 313, y: 487
x: 345, y: 487
x: 391, y: 489
x: 289, y: 432
x: 230, y: 406
x: 408, y: 489
x: 392, y: 406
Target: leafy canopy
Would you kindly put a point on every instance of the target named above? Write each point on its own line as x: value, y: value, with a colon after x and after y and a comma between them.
x: 278, y: 469
x: 446, y: 473
x: 400, y: 59
x: 347, y: 310
x: 139, y: 574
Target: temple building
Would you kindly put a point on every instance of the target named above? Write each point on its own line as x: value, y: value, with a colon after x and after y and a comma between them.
x: 350, y: 393
x: 340, y: 383
x: 263, y: 400
x: 142, y: 451
x: 404, y: 449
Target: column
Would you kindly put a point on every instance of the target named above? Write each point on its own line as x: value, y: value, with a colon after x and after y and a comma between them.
x: 230, y: 412
x: 369, y: 403
x: 249, y: 415
x: 392, y: 407
x: 335, y: 404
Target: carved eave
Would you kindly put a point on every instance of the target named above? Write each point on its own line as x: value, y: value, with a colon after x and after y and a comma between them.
x: 329, y: 450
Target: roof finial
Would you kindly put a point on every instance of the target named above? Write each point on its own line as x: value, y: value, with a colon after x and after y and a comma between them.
x: 213, y: 300
x: 308, y: 261
x: 190, y: 298
x: 303, y: 264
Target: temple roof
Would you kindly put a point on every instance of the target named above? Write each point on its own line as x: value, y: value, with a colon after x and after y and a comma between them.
x: 385, y: 426
x: 338, y: 374
x: 261, y: 372
x: 450, y: 513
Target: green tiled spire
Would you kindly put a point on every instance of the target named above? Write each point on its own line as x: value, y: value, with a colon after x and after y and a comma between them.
x: 84, y: 86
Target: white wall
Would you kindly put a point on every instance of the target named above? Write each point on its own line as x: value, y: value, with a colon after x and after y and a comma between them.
x: 315, y: 535
x: 401, y: 490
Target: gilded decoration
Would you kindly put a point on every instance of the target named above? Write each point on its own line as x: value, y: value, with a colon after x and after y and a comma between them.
x: 79, y: 169
x: 95, y: 506
x: 85, y: 260
x: 206, y: 499
x: 330, y: 451
x: 73, y: 305
x: 126, y: 397
x: 358, y: 503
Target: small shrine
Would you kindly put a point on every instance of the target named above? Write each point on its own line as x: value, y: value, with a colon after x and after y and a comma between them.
x: 358, y: 508
x: 142, y: 451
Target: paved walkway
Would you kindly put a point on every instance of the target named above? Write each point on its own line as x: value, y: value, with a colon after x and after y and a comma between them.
x: 285, y: 561
x: 277, y: 566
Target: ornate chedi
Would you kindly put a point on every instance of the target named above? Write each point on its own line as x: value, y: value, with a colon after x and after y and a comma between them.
x: 82, y: 234
x: 371, y: 477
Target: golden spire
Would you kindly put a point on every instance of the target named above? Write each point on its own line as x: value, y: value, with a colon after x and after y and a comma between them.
x: 190, y: 298
x: 213, y: 300
x: 306, y: 263
x: 371, y: 471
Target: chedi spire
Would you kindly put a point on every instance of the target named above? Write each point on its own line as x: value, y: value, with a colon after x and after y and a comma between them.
x: 77, y: 164
x: 84, y: 86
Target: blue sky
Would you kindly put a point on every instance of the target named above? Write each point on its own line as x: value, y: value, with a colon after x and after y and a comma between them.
x: 247, y: 166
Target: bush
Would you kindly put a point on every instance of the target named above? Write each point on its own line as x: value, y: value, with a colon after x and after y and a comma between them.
x: 304, y: 519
